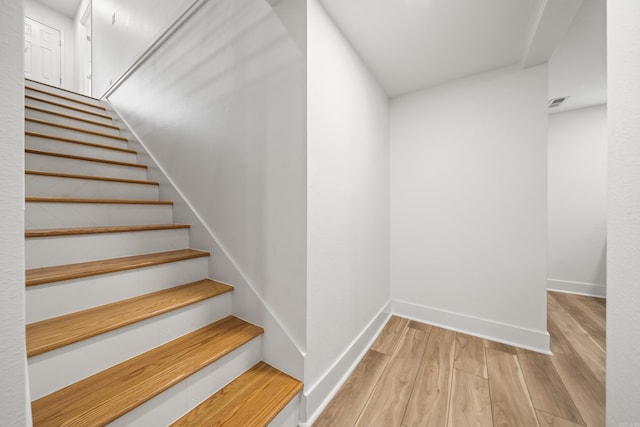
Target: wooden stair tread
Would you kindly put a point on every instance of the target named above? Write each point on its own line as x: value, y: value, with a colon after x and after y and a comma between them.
x: 103, y: 397
x: 67, y: 116
x: 73, y: 128
x: 47, y: 335
x: 54, y: 232
x: 100, y: 201
x: 84, y: 158
x: 90, y: 177
x: 56, y: 88
x: 39, y: 276
x: 70, y: 107
x: 253, y: 399
x: 77, y: 141
x: 57, y: 95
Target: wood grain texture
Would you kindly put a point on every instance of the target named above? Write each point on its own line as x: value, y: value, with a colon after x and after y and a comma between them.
x: 77, y: 129
x: 38, y: 276
x: 346, y: 406
x: 251, y: 400
x: 469, y: 355
x: 510, y: 401
x: 54, y: 232
x: 419, y: 326
x: 57, y: 95
x: 67, y: 116
x: 430, y: 397
x: 100, y: 201
x: 90, y: 177
x: 83, y: 158
x: 499, y: 346
x: 389, y: 399
x: 587, y: 312
x: 547, y: 420
x: 57, y: 332
x: 101, y: 398
x: 390, y: 335
x: 58, y: 104
x: 77, y: 141
x: 548, y: 392
x: 470, y: 401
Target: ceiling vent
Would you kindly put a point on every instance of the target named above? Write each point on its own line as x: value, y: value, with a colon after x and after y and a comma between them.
x: 555, y: 102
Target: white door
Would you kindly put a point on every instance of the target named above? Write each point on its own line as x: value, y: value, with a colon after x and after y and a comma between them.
x: 41, y: 53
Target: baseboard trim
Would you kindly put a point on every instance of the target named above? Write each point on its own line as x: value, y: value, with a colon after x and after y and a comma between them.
x: 318, y: 395
x: 579, y: 288
x: 530, y: 339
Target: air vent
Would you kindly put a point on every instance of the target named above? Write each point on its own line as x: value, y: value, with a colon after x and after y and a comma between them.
x: 555, y: 102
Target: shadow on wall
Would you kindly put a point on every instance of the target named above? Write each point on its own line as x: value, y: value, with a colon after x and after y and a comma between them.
x: 221, y: 106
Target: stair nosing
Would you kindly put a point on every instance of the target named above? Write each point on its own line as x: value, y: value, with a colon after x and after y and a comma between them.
x: 84, y: 158
x: 75, y: 129
x: 82, y: 325
x: 70, y: 107
x: 183, y: 356
x: 58, y: 273
x: 90, y: 177
x: 77, y: 141
x: 32, y: 199
x: 59, y: 232
x: 60, y: 88
x: 88, y: 104
x: 67, y: 116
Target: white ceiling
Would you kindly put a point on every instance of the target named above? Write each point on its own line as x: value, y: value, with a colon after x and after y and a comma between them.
x: 578, y: 67
x: 414, y: 44
x: 66, y: 7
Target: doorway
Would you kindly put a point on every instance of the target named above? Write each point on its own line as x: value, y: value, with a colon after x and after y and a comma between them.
x: 42, y: 52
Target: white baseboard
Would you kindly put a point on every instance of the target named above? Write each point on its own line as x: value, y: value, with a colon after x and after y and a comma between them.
x: 508, y: 334
x: 318, y: 395
x: 580, y: 288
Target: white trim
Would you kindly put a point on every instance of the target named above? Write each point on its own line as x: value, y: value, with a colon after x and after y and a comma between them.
x: 579, y: 288
x: 317, y: 396
x: 530, y: 339
x: 213, y: 236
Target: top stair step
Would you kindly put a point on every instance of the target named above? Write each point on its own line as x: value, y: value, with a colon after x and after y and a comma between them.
x: 34, y: 86
x: 66, y: 107
x: 253, y: 399
x: 107, y: 395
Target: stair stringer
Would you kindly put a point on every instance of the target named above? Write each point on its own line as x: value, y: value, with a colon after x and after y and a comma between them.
x: 279, y: 348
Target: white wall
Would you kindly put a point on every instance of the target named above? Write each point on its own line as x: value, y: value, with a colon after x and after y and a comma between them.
x: 119, y: 41
x: 13, y: 391
x: 348, y: 207
x: 578, y: 201
x: 83, y: 52
x: 469, y: 206
x: 52, y: 18
x: 623, y: 266
x: 221, y: 106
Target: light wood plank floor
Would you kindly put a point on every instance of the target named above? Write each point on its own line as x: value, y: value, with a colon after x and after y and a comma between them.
x: 422, y: 375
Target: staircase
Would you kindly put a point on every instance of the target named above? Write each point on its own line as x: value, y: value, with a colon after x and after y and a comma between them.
x: 123, y: 325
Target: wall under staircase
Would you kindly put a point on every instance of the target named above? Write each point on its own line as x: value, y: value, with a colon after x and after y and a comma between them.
x: 124, y: 325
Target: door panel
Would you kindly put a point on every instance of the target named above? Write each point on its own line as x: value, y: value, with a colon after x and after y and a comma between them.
x: 41, y: 52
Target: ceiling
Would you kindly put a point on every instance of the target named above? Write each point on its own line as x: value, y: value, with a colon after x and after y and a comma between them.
x: 578, y: 67
x: 65, y: 7
x: 414, y: 44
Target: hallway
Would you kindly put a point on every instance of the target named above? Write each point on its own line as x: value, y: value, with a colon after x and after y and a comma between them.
x: 416, y: 374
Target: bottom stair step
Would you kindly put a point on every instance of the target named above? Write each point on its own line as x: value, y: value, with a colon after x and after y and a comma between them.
x: 251, y: 400
x: 107, y: 395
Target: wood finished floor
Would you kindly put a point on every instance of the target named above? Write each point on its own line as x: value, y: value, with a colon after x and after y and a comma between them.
x: 421, y: 375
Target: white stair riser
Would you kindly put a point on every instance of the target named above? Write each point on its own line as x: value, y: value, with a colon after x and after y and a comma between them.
x: 51, y: 186
x: 62, y: 147
x: 64, y: 101
x: 61, y: 250
x: 85, y: 114
x: 31, y: 84
x: 290, y: 414
x: 67, y: 121
x: 59, y: 298
x: 82, y: 167
x: 173, y: 403
x: 74, y: 134
x: 58, y: 215
x: 59, y: 368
